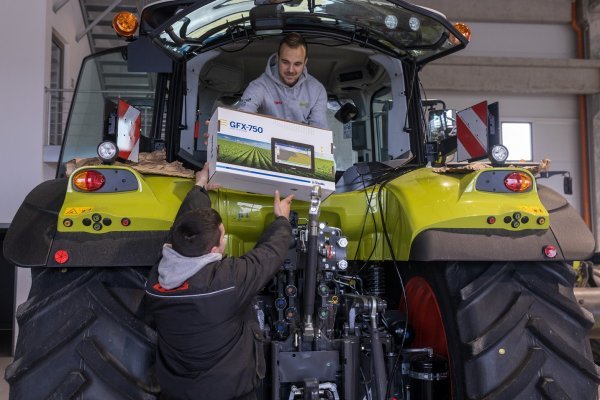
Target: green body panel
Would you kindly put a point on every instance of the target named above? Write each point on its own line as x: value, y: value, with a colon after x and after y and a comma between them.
x: 423, y: 200
x: 413, y: 202
x: 247, y: 215
x: 150, y: 208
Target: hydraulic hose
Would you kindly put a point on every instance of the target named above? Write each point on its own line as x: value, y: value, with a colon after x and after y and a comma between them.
x: 310, y: 272
x: 379, y: 364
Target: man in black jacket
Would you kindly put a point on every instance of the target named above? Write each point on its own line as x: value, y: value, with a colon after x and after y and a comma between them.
x: 209, y: 341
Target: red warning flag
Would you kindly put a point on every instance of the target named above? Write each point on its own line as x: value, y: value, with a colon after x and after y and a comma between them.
x: 472, y: 127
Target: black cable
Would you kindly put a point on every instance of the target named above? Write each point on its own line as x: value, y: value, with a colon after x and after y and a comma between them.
x: 248, y: 43
x: 424, y: 96
x: 369, y: 208
x: 401, y: 281
x: 411, y: 93
x: 368, y: 394
x: 364, y: 222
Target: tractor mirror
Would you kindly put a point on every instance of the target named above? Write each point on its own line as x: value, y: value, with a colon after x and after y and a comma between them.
x: 348, y: 112
x: 568, y: 184
x: 442, y: 124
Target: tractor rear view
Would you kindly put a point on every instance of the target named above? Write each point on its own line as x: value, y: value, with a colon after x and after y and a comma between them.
x: 419, y: 278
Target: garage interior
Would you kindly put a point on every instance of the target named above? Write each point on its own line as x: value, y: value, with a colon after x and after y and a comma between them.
x: 539, y: 59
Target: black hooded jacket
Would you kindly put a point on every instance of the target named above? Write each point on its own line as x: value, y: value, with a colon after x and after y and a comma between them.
x: 209, y: 342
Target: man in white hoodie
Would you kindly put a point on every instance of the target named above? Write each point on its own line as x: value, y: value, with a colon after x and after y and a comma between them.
x: 285, y: 90
x: 210, y: 346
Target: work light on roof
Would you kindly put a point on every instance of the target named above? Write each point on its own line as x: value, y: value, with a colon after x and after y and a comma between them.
x: 391, y: 22
x: 498, y: 154
x: 414, y: 23
x: 107, y: 151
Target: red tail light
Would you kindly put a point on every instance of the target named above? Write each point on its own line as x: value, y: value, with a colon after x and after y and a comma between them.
x: 89, y: 180
x: 518, y: 182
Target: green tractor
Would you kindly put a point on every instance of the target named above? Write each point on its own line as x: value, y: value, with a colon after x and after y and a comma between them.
x: 416, y: 279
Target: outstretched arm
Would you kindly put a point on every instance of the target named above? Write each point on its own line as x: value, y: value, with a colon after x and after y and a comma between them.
x: 255, y: 268
x: 281, y: 208
x: 198, y: 196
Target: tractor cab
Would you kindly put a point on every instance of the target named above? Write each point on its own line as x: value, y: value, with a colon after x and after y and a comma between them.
x: 367, y: 55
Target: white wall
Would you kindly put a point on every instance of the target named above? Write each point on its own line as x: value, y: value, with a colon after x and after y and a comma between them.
x: 27, y: 28
x: 65, y: 24
x: 22, y: 78
x: 25, y: 72
x: 520, y: 40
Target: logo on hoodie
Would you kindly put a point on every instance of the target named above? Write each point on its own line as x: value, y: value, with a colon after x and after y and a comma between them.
x: 184, y: 286
x: 304, y: 104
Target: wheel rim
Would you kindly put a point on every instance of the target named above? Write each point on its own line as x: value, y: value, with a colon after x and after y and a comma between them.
x: 424, y: 317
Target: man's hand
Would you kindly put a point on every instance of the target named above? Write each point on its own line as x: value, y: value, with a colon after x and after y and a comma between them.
x: 206, y: 134
x: 281, y: 208
x: 202, y: 179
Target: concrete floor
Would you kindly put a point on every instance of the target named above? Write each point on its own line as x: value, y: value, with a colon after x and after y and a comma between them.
x: 4, y: 361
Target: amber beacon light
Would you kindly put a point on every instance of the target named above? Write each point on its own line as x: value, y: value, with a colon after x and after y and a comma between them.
x: 463, y: 29
x: 125, y: 24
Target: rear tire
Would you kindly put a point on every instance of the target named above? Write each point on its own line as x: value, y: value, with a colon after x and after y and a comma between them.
x: 82, y: 335
x: 510, y: 330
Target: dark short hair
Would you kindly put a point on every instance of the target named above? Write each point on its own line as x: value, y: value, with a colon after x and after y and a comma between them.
x: 293, y: 40
x: 196, y: 232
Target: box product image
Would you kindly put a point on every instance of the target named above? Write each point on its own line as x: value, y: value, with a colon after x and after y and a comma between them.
x: 259, y: 154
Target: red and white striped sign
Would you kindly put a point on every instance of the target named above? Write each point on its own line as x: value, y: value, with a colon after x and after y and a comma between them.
x: 128, y: 131
x: 472, y: 128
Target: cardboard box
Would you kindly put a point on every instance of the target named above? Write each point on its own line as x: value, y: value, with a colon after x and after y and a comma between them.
x: 259, y: 154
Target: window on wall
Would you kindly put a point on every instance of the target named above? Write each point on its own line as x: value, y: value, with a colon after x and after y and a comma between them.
x: 56, y: 97
x: 517, y: 138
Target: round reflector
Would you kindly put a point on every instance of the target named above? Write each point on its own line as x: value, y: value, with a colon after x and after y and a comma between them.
x: 541, y: 220
x: 125, y: 24
x: 550, y: 251
x: 89, y: 180
x: 61, y: 256
x: 517, y: 181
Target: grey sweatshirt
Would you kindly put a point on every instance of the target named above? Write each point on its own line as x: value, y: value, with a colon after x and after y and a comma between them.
x: 174, y: 268
x: 305, y: 102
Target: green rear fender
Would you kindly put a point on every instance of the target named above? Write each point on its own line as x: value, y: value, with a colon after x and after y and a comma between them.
x: 426, y: 216
x: 123, y: 224
x: 435, y: 216
x: 30, y: 234
x: 148, y: 202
